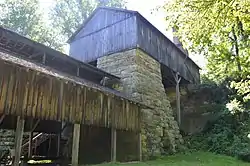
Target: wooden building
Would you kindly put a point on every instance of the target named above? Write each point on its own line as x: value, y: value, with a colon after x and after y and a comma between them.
x: 37, y: 82
x: 110, y: 30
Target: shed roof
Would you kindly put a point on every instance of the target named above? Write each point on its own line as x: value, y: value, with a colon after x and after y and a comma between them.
x: 137, y: 14
x: 32, y: 50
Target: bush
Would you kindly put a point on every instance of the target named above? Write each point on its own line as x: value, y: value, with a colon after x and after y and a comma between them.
x: 227, y: 135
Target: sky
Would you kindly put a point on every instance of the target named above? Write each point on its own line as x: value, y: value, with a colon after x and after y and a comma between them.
x: 147, y: 9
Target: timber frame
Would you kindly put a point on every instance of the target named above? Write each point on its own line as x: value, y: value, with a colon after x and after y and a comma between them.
x: 80, y: 101
x: 36, y: 52
x: 41, y: 83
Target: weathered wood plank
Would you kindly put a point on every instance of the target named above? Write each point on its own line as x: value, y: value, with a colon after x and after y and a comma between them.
x: 44, y: 100
x: 139, y: 147
x: 109, y: 112
x: 102, y: 111
x: 84, y: 105
x: 18, y: 140
x: 31, y: 93
x: 4, y: 91
x: 113, y: 144
x: 40, y: 94
x: 78, y: 106
x: 35, y: 97
x: 75, y: 145
x: 60, y: 112
x: 26, y: 92
x: 56, y: 99
x: 37, y: 108
x: 12, y: 101
x: 8, y: 97
x: 49, y: 99
x: 71, y: 104
x: 30, y: 139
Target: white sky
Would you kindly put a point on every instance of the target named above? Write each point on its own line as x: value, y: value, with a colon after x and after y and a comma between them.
x: 146, y: 8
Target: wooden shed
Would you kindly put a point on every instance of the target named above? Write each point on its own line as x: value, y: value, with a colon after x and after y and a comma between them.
x: 41, y: 89
x: 111, y: 30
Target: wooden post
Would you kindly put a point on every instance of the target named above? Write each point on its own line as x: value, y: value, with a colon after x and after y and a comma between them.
x: 139, y: 147
x: 30, y: 139
x: 1, y: 119
x: 75, y: 146
x: 59, y: 141
x: 113, y: 145
x: 44, y: 58
x: 178, y: 104
x: 18, y: 140
x: 30, y: 144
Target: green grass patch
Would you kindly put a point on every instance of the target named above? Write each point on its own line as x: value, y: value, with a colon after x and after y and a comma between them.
x: 193, y: 159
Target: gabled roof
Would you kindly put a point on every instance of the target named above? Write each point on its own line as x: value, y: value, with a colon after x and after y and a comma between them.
x: 93, y: 13
x: 137, y: 14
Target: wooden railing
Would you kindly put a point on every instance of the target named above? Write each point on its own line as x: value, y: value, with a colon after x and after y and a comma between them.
x: 36, y: 141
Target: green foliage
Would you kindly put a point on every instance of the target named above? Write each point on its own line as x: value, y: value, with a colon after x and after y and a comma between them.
x: 25, y: 17
x: 227, y: 135
x: 188, y: 159
x: 219, y: 30
x: 211, y: 97
x: 67, y: 16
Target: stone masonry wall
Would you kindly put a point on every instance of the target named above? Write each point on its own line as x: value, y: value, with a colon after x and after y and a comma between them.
x: 141, y: 80
x: 7, y: 140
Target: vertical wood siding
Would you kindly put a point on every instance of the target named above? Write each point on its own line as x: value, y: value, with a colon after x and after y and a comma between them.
x: 163, y: 50
x: 102, y: 19
x: 111, y: 31
x: 114, y: 37
x: 28, y: 93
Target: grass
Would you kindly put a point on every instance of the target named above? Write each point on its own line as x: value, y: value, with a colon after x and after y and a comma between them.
x: 194, y: 159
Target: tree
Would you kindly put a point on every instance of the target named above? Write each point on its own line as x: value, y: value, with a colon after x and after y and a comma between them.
x: 67, y: 16
x: 26, y: 18
x: 208, y: 27
x: 218, y: 29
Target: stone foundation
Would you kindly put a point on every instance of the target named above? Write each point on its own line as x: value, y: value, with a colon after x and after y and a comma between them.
x: 142, y: 81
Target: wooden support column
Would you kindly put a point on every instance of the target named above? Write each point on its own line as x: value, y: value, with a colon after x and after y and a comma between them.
x: 32, y: 128
x: 59, y: 141
x: 139, y: 147
x: 113, y: 145
x: 75, y: 145
x: 178, y: 103
x: 1, y: 119
x: 18, y: 140
x: 60, y: 103
x: 30, y: 144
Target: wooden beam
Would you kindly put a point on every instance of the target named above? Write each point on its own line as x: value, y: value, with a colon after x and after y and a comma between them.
x: 178, y: 103
x: 1, y: 119
x: 59, y: 141
x: 18, y: 140
x: 58, y: 144
x: 35, y: 125
x: 113, y: 145
x: 30, y: 139
x: 75, y: 145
